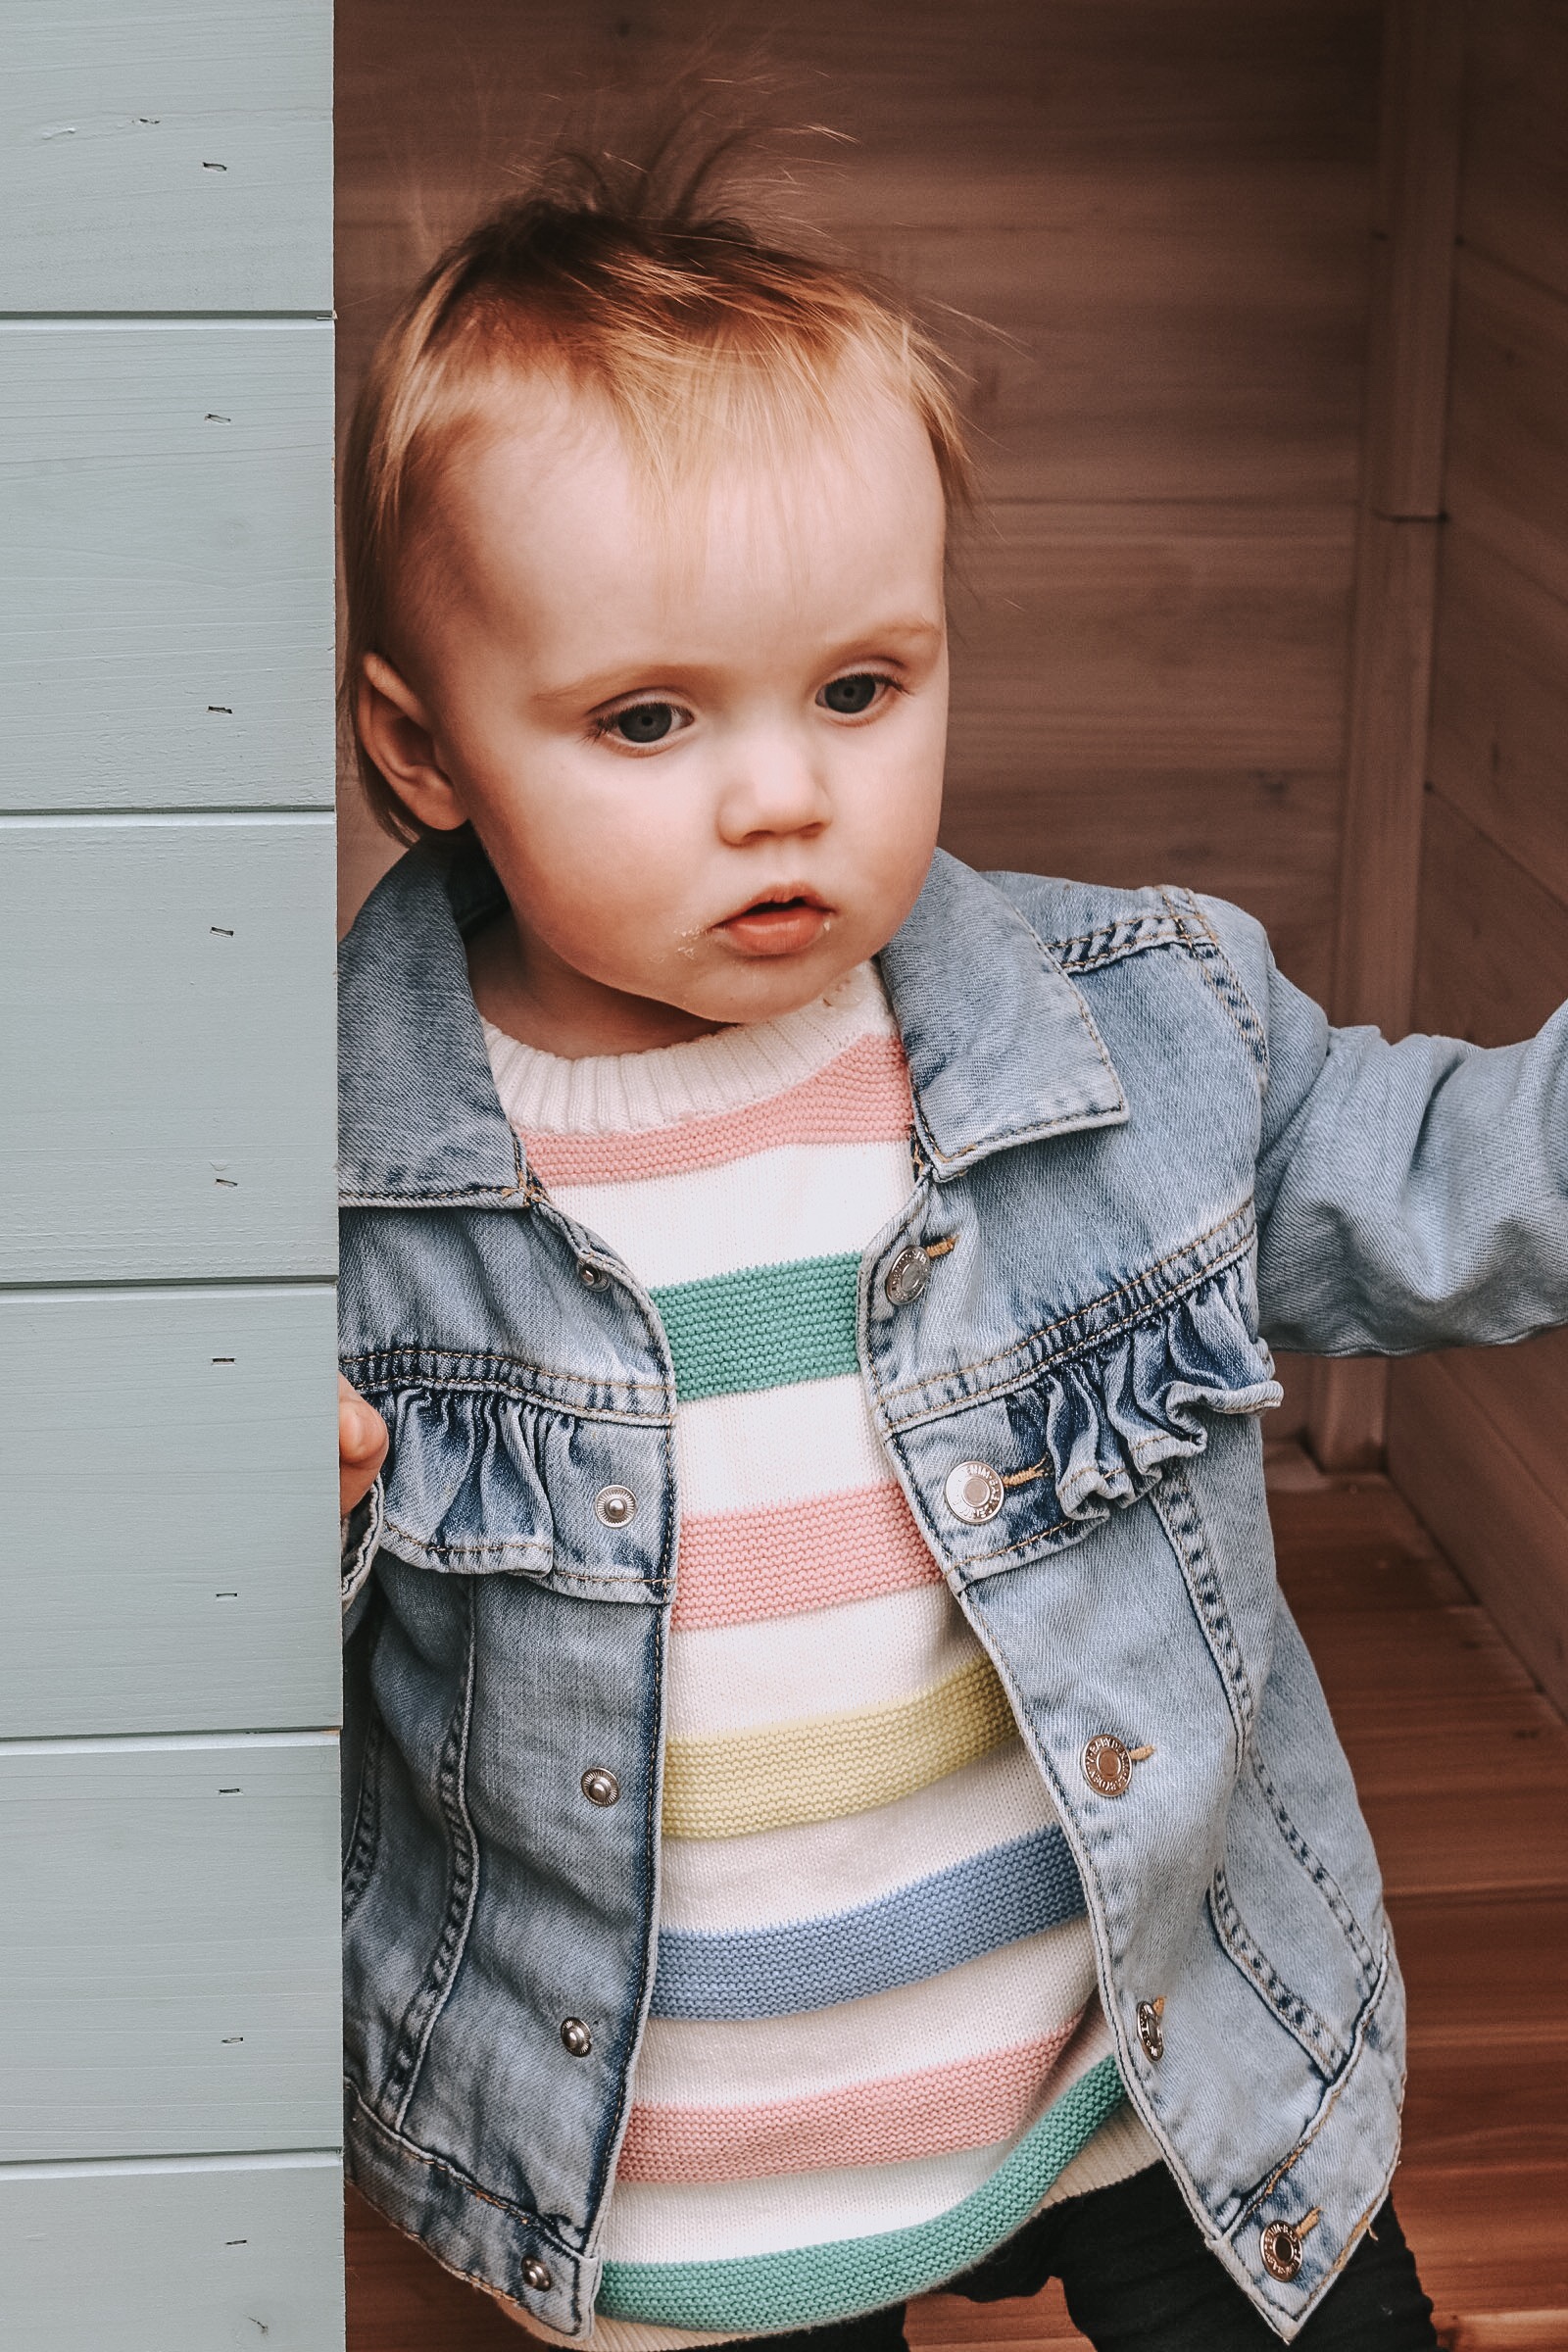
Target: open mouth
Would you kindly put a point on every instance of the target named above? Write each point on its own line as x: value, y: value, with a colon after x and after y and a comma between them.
x: 782, y: 922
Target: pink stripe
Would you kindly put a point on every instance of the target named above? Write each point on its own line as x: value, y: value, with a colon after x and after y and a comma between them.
x: 737, y: 1566
x: 970, y: 2104
x: 862, y: 1097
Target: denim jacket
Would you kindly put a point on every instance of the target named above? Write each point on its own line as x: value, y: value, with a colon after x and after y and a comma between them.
x: 1150, y: 1156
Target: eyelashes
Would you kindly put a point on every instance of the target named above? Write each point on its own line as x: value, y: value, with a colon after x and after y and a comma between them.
x: 645, y: 725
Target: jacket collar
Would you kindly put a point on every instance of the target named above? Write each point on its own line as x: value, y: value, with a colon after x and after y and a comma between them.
x: 1000, y: 1043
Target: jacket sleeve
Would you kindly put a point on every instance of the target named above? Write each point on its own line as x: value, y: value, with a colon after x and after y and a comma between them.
x: 1410, y: 1196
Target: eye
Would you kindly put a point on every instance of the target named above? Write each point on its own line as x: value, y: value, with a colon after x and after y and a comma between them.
x: 641, y: 723
x: 854, y: 695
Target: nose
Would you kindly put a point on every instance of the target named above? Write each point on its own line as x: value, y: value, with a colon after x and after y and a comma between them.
x: 771, y: 786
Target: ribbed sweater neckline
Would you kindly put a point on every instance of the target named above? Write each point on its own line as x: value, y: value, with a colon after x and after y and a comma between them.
x: 546, y: 1094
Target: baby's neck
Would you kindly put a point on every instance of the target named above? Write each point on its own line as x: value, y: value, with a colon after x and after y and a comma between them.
x: 542, y: 1003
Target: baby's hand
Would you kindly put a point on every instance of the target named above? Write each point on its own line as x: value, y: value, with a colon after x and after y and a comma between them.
x: 361, y: 1446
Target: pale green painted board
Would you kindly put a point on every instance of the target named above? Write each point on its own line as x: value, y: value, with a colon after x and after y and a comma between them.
x: 167, y: 1054
x: 170, y: 1948
x: 193, y: 2257
x: 168, y: 157
x: 165, y: 590
x: 169, y: 1540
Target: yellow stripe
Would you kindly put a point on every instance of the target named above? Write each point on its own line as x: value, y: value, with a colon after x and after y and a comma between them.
x: 827, y: 1766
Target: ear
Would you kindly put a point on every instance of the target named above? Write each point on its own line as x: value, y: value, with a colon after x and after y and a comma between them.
x: 395, y: 729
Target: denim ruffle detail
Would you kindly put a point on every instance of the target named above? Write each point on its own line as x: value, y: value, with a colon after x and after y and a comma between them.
x: 464, y: 1490
x: 1116, y: 1412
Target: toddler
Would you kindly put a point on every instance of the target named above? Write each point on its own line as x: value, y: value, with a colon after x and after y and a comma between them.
x: 836, y: 1804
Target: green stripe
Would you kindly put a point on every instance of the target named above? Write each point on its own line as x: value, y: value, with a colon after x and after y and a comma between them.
x: 765, y: 1326
x: 807, y: 2288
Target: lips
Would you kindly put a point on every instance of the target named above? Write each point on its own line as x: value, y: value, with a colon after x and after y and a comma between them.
x: 784, y: 923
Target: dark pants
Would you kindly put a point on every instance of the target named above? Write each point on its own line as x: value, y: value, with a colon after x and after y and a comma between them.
x: 1138, y: 2277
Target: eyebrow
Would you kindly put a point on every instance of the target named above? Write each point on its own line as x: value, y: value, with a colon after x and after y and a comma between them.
x: 602, y: 686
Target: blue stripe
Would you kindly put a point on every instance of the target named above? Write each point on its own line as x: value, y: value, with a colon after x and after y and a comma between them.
x: 919, y: 1929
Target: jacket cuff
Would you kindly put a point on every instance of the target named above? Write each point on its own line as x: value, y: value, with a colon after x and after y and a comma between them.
x: 362, y: 1539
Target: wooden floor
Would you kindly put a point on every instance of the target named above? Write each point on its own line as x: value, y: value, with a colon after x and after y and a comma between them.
x: 1463, y: 1772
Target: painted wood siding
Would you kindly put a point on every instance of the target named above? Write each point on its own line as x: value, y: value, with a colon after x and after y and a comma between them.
x: 169, y: 2122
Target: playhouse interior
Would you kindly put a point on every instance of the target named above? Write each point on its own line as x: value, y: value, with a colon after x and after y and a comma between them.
x: 1263, y: 307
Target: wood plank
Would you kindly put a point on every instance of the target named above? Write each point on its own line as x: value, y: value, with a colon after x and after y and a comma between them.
x: 401, y: 2300
x: 1522, y: 1392
x: 1477, y: 906
x: 1153, y: 638
x: 167, y: 157
x: 1506, y: 480
x: 1499, y: 713
x: 1516, y: 161
x: 1507, y: 1533
x: 170, y: 1554
x: 174, y: 2257
x: 1417, y: 213
x: 166, y: 502
x: 168, y: 1056
x: 1481, y: 2233
x: 172, y: 1946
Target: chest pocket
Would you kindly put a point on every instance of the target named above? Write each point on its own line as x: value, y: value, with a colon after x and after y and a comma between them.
x: 482, y: 1479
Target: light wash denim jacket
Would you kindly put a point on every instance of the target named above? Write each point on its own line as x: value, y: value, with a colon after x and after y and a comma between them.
x: 1151, y: 1155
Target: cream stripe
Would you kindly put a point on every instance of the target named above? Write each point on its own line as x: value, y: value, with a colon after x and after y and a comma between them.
x: 1018, y: 1993
x: 724, y: 1885
x: 685, y: 2222
x: 612, y: 1093
x: 773, y: 1445
x: 820, y: 1768
x: 864, y: 1654
x: 815, y: 1199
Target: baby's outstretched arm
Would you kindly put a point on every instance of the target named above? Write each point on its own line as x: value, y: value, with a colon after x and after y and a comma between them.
x: 1410, y: 1196
x: 361, y: 1446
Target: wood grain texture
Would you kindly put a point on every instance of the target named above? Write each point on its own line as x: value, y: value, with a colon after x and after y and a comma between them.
x: 1499, y: 716
x: 1515, y: 200
x: 169, y: 1561
x: 168, y: 157
x: 1506, y: 1527
x: 166, y: 602
x: 1412, y: 286
x: 171, y: 1948
x: 167, y: 1054
x: 174, y: 2257
x: 1390, y: 688
x: 1494, y: 950
x: 1507, y: 478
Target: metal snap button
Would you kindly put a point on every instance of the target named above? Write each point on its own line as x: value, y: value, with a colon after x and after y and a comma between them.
x: 1109, y: 1765
x: 593, y: 1278
x: 908, y: 1276
x: 974, y: 1492
x: 1281, y: 2249
x: 535, y: 2274
x: 601, y: 1788
x: 576, y: 2037
x: 615, y: 1506
x: 1150, y: 2033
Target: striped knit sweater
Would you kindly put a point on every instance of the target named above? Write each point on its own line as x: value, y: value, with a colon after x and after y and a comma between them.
x: 875, y: 2045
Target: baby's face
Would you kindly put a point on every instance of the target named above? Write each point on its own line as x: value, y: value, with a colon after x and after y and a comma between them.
x: 702, y: 740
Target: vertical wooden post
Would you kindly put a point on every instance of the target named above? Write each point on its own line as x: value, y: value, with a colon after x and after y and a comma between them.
x: 1395, y: 589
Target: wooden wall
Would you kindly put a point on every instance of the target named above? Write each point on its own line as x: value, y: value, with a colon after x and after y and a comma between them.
x: 1475, y: 1440
x: 1161, y: 213
x: 169, y: 2032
